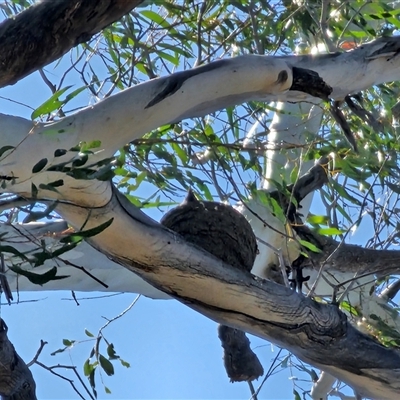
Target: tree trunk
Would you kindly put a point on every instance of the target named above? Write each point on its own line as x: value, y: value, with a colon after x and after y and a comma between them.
x: 16, y: 380
x: 46, y: 31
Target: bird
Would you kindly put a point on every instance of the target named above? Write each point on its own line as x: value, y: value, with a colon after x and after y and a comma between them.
x: 225, y: 233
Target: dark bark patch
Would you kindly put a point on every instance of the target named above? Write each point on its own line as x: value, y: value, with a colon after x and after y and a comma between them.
x: 282, y: 77
x: 174, y: 82
x: 308, y: 81
x: 16, y: 380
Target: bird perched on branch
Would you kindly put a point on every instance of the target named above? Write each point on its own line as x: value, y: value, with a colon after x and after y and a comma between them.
x: 224, y: 232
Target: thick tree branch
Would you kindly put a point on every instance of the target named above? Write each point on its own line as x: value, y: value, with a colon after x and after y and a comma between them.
x: 86, y: 268
x: 292, y: 126
x: 181, y: 95
x: 351, y: 72
x: 344, y: 257
x: 317, y: 333
x: 46, y: 31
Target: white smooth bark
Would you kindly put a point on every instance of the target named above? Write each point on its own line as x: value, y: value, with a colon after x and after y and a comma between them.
x: 291, y: 125
x: 135, y: 111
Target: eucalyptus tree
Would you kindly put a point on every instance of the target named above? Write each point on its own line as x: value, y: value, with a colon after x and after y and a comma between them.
x: 180, y: 97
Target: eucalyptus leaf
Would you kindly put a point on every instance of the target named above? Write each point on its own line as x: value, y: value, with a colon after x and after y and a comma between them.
x: 39, y: 279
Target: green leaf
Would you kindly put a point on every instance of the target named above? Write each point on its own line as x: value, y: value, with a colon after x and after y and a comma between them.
x: 310, y: 246
x: 277, y: 210
x: 180, y: 153
x: 73, y: 94
x: 80, y: 161
x: 54, y: 103
x: 112, y: 355
x: 271, y: 204
x: 39, y: 165
x: 5, y: 148
x: 330, y: 231
x: 56, y: 183
x: 12, y: 250
x: 39, y: 279
x: 294, y: 174
x: 93, y: 382
x: 173, y: 59
x: 68, y: 343
x: 87, y: 333
x: 40, y: 257
x: 60, y: 152
x: 50, y: 105
x: 296, y: 395
x: 155, y: 17
x: 51, y: 186
x: 318, y: 219
x: 106, y: 365
x: 125, y: 363
x: 87, y: 368
x: 205, y: 190
x: 76, y: 237
x: 94, y: 144
x: 394, y: 187
x: 58, y: 351
x: 344, y: 305
x: 343, y: 192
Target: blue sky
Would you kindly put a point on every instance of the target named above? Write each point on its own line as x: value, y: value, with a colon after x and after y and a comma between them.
x: 173, y: 351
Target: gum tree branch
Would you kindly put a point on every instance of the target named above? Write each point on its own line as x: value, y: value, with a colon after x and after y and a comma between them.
x: 46, y: 31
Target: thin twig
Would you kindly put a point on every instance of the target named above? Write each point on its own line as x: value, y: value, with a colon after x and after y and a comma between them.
x: 70, y: 381
x: 36, y: 356
x: 252, y: 391
x: 271, y: 369
x: 323, y: 24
